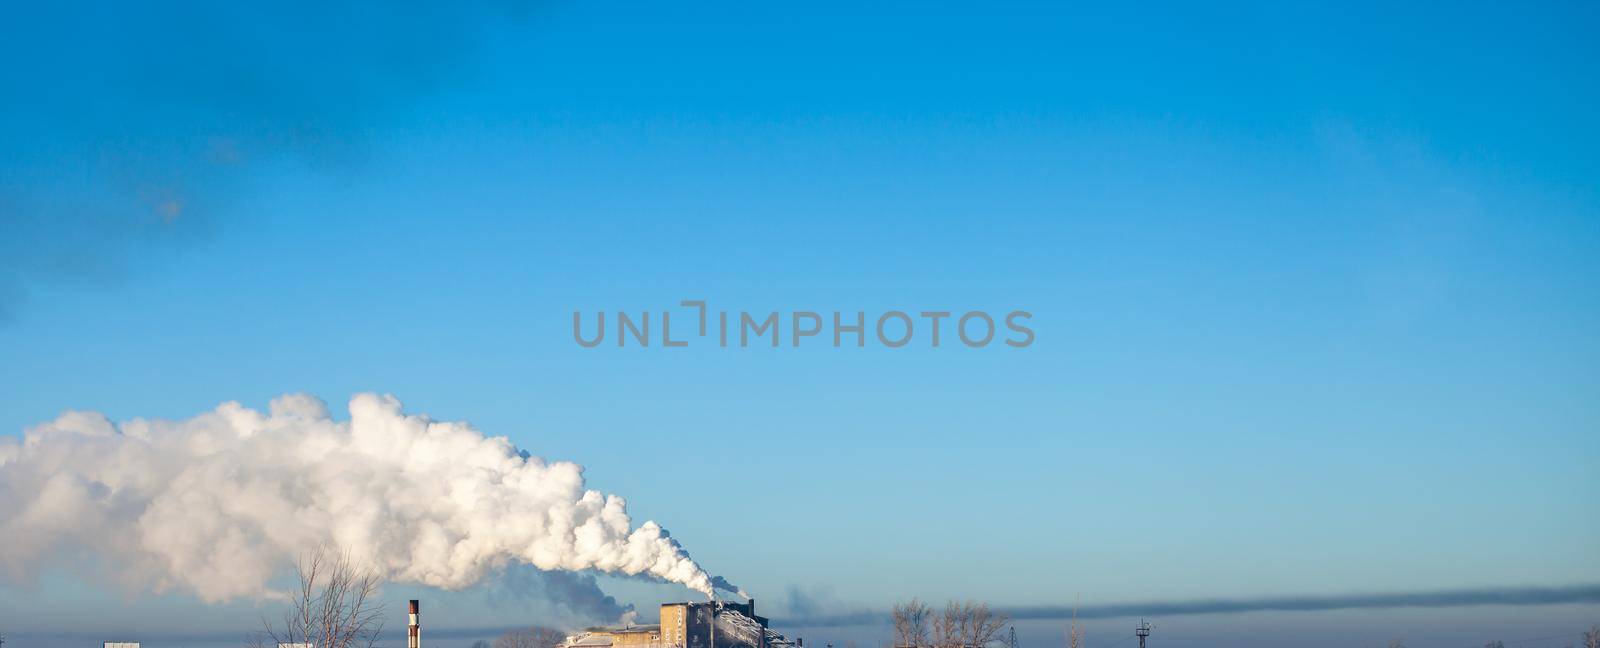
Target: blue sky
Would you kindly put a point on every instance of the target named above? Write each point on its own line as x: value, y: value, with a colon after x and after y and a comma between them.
x: 1316, y: 290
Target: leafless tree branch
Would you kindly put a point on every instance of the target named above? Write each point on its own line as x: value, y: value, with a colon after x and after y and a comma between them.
x: 332, y: 606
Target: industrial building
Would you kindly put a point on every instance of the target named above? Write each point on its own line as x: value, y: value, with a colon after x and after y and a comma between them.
x: 714, y: 624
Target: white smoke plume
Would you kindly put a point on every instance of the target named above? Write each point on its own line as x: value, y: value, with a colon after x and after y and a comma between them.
x: 219, y: 503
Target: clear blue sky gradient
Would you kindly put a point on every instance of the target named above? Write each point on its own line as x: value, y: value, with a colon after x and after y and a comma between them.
x: 1317, y: 291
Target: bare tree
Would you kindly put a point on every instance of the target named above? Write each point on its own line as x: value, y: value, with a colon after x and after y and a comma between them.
x: 967, y: 625
x: 947, y: 627
x: 480, y: 644
x: 532, y: 637
x: 1591, y: 638
x: 911, y: 624
x: 982, y: 626
x: 334, y: 606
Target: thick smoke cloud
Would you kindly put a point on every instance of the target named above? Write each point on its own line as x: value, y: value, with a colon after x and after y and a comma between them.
x: 219, y: 504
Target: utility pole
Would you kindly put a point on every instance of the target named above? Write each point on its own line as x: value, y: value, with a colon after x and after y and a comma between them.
x: 1142, y: 632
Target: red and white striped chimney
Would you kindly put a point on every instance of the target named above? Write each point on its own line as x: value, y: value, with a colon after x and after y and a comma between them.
x: 414, y: 628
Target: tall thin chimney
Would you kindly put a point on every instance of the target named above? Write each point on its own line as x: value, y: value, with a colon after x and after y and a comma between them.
x: 414, y: 627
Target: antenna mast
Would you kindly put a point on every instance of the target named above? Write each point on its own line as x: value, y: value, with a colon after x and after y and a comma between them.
x: 1142, y: 632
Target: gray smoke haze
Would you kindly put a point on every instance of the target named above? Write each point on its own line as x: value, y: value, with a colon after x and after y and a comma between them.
x: 721, y: 583
x: 803, y: 605
x: 574, y: 593
x: 1441, y: 598
x: 815, y: 602
x: 133, y: 129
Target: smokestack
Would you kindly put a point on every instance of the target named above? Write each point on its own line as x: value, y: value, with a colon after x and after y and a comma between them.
x: 414, y: 629
x: 752, y: 607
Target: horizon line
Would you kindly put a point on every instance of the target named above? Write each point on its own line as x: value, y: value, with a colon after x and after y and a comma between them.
x: 1517, y: 596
